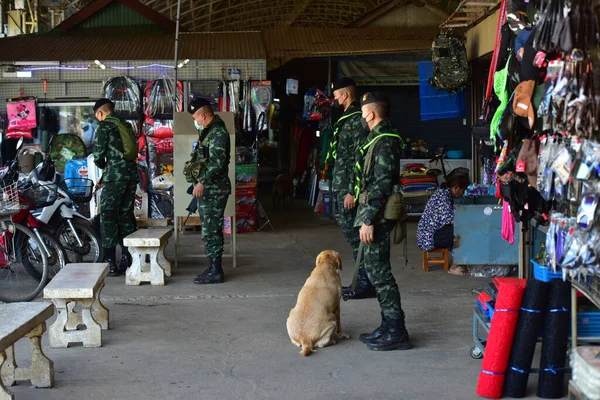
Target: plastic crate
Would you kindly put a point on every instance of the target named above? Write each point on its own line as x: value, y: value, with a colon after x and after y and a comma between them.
x: 485, y: 312
x: 588, y: 324
x: 542, y: 273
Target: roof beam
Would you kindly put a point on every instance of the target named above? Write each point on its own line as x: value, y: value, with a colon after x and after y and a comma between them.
x: 376, y: 13
x: 299, y: 9
x: 432, y: 7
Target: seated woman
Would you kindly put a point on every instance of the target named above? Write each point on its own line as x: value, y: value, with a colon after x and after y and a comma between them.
x: 436, y: 227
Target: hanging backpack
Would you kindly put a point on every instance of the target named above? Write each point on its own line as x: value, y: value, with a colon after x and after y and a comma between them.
x: 125, y: 93
x: 450, y: 64
x: 130, y: 147
x: 158, y: 98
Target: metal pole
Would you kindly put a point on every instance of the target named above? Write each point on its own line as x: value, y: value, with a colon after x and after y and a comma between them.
x: 328, y: 91
x: 175, y: 108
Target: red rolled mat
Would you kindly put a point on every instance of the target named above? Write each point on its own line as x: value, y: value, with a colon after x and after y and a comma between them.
x: 500, y: 338
x: 483, y: 298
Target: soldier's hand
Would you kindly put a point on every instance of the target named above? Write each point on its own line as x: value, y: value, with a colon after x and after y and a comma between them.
x: 349, y: 202
x: 367, y: 232
x: 198, y: 190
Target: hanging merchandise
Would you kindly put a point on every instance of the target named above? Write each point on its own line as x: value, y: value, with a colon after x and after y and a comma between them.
x: 261, y: 99
x: 309, y: 99
x: 450, y: 63
x: 159, y: 97
x: 291, y: 86
x: 161, y: 203
x: 142, y: 163
x: 160, y: 162
x: 248, y: 124
x: 321, y: 107
x: 21, y: 118
x: 125, y: 93
x: 234, y: 96
x: 159, y: 128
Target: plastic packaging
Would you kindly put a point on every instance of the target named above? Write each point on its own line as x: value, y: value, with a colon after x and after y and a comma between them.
x: 159, y: 128
x: 124, y: 91
x: 160, y: 163
x: 161, y: 203
x: 159, y: 97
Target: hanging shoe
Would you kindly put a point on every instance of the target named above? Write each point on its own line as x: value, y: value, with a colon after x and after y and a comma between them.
x: 125, y: 259
x: 376, y: 334
x: 395, y: 336
x: 364, y: 289
x: 111, y: 258
x: 213, y: 274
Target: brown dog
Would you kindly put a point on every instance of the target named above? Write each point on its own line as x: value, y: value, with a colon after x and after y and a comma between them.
x: 316, y: 316
x: 283, y: 189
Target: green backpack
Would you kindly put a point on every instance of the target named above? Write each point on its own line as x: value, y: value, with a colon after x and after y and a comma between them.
x: 130, y: 147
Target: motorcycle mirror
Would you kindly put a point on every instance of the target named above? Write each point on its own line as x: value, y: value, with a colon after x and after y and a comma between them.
x: 20, y: 143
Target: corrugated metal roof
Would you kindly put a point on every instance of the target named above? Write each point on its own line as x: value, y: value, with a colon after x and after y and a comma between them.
x: 281, y: 43
x: 245, y: 45
x: 313, y: 42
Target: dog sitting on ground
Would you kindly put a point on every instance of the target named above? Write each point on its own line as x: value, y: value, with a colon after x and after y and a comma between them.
x: 283, y: 189
x: 316, y: 317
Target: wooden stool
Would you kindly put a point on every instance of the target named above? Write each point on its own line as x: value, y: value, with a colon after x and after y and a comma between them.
x: 443, y: 260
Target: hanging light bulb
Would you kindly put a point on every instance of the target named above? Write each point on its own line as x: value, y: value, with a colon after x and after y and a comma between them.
x: 99, y: 64
x: 183, y: 63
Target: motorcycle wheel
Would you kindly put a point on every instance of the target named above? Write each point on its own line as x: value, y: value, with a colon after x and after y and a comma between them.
x: 90, y: 252
x: 57, y: 258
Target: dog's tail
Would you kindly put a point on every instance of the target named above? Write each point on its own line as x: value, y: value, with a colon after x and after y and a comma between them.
x: 306, y: 350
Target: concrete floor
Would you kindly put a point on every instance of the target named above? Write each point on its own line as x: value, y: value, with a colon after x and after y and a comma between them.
x: 229, y: 341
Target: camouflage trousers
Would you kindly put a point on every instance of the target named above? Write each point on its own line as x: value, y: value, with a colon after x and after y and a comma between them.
x: 346, y: 221
x: 376, y: 259
x: 117, y: 219
x: 211, y: 210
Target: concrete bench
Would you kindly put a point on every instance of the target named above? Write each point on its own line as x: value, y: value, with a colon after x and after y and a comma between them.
x: 148, y: 243
x: 18, y: 320
x: 78, y: 284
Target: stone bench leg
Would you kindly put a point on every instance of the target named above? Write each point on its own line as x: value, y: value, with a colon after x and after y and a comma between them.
x: 41, y: 371
x: 162, y: 260
x: 99, y: 312
x: 137, y: 274
x: 59, y: 334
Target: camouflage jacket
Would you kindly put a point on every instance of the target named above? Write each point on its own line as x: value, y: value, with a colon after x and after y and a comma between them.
x: 115, y: 168
x: 215, y: 172
x: 347, y: 132
x: 384, y: 173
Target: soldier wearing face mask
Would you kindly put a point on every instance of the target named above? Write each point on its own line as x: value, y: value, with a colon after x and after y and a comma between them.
x: 341, y: 157
x: 377, y: 170
x: 208, y: 171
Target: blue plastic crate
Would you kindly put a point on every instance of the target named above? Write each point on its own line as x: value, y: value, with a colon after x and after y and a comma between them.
x: 542, y: 273
x: 483, y: 310
x: 588, y: 324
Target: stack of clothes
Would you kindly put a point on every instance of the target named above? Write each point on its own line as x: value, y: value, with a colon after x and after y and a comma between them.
x: 417, y: 186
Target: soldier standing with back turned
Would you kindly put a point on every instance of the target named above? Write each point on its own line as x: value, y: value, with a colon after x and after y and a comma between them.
x: 346, y: 135
x: 119, y: 183
x: 375, y: 180
x: 208, y: 171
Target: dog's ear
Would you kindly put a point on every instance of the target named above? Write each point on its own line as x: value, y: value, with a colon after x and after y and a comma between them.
x: 338, y: 260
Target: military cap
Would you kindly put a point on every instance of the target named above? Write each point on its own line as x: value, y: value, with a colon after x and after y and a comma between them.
x: 343, y: 83
x: 374, y: 97
x: 102, y: 102
x: 196, y: 104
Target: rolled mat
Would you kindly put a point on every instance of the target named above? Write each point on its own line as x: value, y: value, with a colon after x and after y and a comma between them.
x: 500, y: 337
x: 531, y: 316
x: 551, y: 383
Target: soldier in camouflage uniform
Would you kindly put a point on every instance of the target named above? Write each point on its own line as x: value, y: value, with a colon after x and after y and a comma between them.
x: 119, y: 183
x: 341, y: 155
x: 209, y: 172
x: 372, y: 188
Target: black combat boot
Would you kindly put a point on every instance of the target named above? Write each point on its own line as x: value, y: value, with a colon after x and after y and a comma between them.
x: 395, y: 336
x: 125, y: 259
x: 213, y: 274
x: 364, y: 288
x: 376, y: 334
x: 110, y: 257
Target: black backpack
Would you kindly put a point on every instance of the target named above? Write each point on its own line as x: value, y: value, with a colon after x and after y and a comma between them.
x: 450, y: 64
x: 125, y: 93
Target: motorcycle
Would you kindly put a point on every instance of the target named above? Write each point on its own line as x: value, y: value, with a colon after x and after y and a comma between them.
x: 30, y: 197
x: 76, y: 233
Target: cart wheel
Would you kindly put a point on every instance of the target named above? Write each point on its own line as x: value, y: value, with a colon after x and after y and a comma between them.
x: 476, y: 353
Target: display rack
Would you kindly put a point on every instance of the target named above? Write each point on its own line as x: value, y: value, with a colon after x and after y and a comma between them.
x: 575, y: 285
